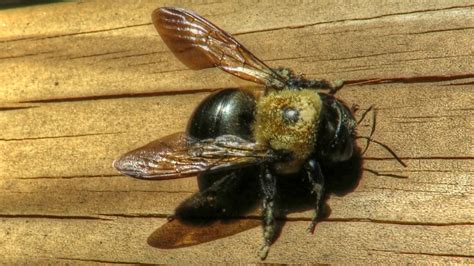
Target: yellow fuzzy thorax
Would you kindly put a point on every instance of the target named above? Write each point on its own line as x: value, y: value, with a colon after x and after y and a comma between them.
x: 272, y: 129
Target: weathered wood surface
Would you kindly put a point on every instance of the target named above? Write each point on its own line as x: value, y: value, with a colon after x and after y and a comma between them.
x: 81, y: 83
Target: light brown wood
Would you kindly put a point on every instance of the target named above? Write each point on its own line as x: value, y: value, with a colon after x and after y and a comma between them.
x: 81, y: 83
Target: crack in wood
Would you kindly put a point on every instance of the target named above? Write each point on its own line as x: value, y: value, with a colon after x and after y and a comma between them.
x: 53, y: 216
x: 415, y: 79
x: 124, y: 95
x: 339, y: 58
x: 303, y: 219
x: 17, y: 108
x: 26, y: 55
x: 421, y: 158
x: 63, y: 136
x: 423, y: 253
x: 102, y: 217
x: 427, y: 32
x: 107, y: 191
x: 98, y: 54
x: 373, y: 55
x: 433, y: 57
x: 353, y: 30
x: 152, y: 63
x: 415, y: 190
x: 417, y: 122
x: 417, y: 171
x: 171, y: 70
x: 443, y: 30
x: 351, y: 20
x: 105, y: 261
x: 392, y: 64
x: 138, y: 215
x: 440, y: 183
x: 64, y: 177
x: 145, y: 191
x: 428, y: 117
x: 119, y: 175
x: 35, y: 38
x: 358, y: 82
x: 409, y: 223
x: 136, y: 55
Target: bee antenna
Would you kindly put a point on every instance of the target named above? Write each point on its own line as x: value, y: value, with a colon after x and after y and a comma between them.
x: 385, y: 147
x: 372, y: 130
x: 364, y: 114
x: 379, y: 174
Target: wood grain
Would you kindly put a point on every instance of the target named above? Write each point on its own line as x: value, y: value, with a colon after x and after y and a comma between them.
x: 82, y: 83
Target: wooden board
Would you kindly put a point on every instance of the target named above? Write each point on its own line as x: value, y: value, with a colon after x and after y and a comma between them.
x: 83, y: 82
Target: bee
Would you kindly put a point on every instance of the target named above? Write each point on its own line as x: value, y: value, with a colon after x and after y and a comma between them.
x: 234, y: 138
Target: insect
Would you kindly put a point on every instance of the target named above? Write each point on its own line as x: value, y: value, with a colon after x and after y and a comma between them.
x: 293, y: 130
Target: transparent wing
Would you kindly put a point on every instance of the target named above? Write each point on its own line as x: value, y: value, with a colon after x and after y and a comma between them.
x: 178, y: 155
x: 199, y: 44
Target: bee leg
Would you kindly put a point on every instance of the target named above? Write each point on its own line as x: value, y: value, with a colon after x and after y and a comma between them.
x: 335, y: 86
x: 268, y: 186
x: 332, y: 86
x: 316, y: 179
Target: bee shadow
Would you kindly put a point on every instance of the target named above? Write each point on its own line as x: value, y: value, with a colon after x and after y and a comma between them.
x: 228, y: 203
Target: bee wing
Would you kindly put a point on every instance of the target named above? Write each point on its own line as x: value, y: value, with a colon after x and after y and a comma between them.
x: 178, y: 233
x: 179, y: 155
x: 199, y: 44
x: 214, y: 212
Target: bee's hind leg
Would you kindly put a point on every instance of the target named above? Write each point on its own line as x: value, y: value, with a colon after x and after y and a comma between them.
x: 316, y: 179
x: 268, y: 186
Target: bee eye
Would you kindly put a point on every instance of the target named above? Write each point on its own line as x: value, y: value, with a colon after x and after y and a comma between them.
x: 290, y: 115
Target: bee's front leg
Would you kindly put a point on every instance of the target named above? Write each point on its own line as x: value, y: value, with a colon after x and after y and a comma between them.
x: 268, y: 186
x: 332, y: 86
x: 316, y: 179
x: 335, y: 85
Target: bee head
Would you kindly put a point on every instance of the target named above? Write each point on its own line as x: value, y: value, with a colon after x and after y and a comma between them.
x: 288, y: 120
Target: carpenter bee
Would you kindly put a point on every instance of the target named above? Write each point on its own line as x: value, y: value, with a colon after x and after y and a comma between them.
x: 235, y: 138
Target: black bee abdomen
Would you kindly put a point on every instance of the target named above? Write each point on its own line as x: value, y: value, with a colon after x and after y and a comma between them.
x: 229, y: 111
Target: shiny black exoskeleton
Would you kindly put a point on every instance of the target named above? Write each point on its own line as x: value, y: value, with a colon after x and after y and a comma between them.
x: 229, y: 111
x: 232, y: 111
